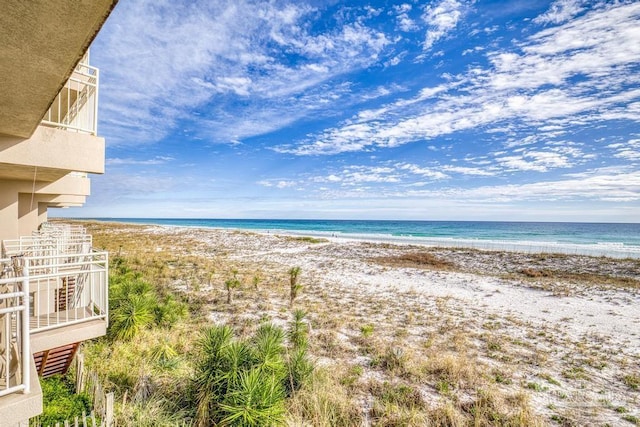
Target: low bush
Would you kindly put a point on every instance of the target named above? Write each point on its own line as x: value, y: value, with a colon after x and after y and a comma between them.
x: 60, y: 402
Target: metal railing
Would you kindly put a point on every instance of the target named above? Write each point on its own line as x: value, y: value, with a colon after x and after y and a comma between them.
x: 43, y: 293
x: 75, y: 108
x: 14, y: 328
x: 49, y: 280
x: 67, y: 289
x: 46, y: 245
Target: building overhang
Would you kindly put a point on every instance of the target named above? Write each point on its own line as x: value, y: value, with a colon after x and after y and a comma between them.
x: 42, y: 41
x: 54, y: 152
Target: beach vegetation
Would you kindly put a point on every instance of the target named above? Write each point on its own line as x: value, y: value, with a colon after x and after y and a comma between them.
x: 414, y: 359
x: 309, y: 239
x: 245, y: 381
x: 366, y: 330
x: 294, y: 285
x: 136, y: 305
x: 416, y: 260
x: 60, y: 402
x: 256, y: 280
x: 632, y: 381
x: 231, y: 283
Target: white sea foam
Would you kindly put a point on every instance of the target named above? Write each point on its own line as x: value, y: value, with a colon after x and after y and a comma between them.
x: 608, y: 249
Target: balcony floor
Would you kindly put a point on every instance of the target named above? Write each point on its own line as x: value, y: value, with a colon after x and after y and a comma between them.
x: 59, y: 318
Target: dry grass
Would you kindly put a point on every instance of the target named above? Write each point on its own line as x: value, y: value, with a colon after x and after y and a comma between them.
x: 416, y: 260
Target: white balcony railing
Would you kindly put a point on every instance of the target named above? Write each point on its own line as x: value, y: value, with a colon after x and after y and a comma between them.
x: 48, y: 245
x: 48, y: 282
x: 75, y: 108
x: 14, y: 327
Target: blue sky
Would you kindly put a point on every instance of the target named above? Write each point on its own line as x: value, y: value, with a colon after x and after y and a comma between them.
x: 441, y: 110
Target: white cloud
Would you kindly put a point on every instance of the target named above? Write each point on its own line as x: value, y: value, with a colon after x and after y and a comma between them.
x: 158, y: 160
x: 441, y: 18
x: 560, y: 11
x: 465, y: 170
x: 534, y: 161
x: 628, y: 151
x: 277, y: 183
x: 608, y: 187
x: 422, y: 171
x: 404, y: 22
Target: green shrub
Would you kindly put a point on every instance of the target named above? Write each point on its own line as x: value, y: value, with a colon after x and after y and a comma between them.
x: 136, y: 305
x: 245, y: 382
x: 60, y: 403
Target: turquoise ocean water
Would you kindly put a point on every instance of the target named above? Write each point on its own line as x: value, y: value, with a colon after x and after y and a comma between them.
x: 615, y: 239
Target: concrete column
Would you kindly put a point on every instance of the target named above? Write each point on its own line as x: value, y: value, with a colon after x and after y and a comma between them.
x: 42, y: 213
x: 27, y: 214
x: 8, y: 210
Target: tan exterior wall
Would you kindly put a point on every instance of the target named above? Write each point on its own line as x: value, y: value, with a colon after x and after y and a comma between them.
x: 8, y: 210
x: 20, y: 215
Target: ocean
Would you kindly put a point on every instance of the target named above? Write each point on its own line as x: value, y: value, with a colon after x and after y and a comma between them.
x: 597, y: 239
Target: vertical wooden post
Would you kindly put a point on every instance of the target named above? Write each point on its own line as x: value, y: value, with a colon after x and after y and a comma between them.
x: 79, y: 372
x: 109, y: 408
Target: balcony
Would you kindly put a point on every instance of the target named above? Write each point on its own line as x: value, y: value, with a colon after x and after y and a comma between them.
x: 75, y: 108
x: 53, y: 293
x: 68, y: 126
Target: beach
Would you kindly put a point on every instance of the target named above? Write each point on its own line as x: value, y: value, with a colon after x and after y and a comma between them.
x: 556, y: 337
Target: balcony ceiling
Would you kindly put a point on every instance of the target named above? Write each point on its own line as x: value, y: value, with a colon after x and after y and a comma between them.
x: 41, y: 41
x: 26, y: 173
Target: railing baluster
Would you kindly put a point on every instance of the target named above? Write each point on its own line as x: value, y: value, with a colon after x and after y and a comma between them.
x: 26, y: 353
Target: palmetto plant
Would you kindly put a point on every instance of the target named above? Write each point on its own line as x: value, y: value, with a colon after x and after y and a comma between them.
x: 300, y: 368
x: 245, y: 382
x: 136, y: 305
x: 134, y: 314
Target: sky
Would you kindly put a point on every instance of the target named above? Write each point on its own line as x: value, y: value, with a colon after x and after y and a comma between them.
x: 431, y: 110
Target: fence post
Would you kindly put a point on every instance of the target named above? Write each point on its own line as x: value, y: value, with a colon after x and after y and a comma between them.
x: 109, y: 410
x: 79, y: 372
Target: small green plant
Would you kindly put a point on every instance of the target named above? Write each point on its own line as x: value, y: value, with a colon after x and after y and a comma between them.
x: 535, y: 386
x: 352, y: 376
x: 133, y: 314
x: 298, y: 330
x: 366, y: 330
x: 551, y: 380
x: 632, y: 381
x: 257, y: 278
x: 294, y: 286
x: 136, y: 305
x: 231, y: 283
x: 632, y: 419
x: 443, y: 387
